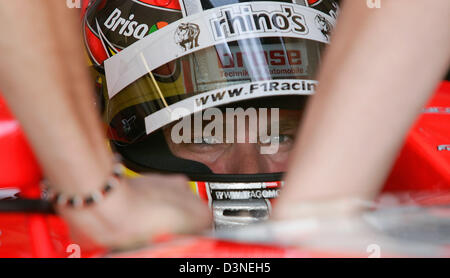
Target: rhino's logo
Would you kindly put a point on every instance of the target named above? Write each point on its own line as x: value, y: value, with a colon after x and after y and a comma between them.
x: 187, y: 35
x: 324, y: 25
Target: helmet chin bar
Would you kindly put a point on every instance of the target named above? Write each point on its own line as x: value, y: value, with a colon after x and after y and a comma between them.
x: 239, y: 203
x: 231, y: 214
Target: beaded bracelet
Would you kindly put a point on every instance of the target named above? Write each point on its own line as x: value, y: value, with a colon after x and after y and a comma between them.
x: 77, y: 201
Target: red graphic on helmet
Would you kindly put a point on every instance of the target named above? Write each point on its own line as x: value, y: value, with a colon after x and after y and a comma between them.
x: 110, y: 26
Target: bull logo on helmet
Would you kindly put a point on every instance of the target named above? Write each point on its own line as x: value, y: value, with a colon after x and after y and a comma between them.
x: 324, y: 25
x: 187, y: 35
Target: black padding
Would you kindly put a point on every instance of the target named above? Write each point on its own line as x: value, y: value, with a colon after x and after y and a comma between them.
x: 153, y: 154
x: 26, y: 206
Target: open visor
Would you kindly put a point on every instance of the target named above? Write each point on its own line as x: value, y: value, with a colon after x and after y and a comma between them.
x: 220, y: 56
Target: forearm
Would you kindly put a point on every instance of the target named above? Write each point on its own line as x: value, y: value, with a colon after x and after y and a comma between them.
x: 66, y: 144
x: 373, y: 84
x: 80, y: 81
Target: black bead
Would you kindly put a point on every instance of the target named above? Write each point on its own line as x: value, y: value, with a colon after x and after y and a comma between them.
x: 71, y: 202
x: 89, y: 200
x: 107, y: 188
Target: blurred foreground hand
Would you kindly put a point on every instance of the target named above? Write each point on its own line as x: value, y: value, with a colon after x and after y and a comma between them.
x: 138, y: 211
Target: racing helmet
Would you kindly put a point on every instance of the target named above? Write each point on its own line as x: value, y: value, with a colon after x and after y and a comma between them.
x: 158, y: 62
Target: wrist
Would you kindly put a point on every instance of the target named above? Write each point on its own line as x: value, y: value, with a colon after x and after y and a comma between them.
x: 81, y: 196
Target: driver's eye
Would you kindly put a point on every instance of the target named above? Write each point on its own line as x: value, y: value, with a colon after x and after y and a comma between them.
x: 208, y: 140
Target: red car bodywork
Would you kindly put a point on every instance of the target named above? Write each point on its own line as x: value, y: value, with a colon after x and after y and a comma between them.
x: 422, y: 165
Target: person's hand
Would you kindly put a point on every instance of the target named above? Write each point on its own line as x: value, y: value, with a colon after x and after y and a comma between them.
x: 138, y: 211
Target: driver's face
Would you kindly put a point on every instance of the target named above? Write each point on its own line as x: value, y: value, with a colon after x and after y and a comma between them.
x: 241, y: 158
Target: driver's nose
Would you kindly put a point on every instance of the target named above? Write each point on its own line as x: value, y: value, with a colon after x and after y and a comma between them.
x: 246, y: 159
